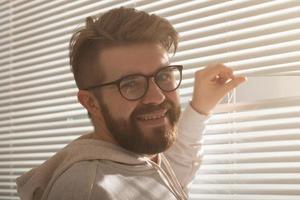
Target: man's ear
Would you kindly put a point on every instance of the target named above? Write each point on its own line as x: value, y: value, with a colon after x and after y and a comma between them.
x: 88, y: 100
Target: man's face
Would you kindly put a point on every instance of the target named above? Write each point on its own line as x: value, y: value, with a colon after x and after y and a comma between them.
x: 146, y: 125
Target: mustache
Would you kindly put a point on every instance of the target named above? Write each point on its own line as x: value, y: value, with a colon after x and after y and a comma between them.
x: 144, y: 109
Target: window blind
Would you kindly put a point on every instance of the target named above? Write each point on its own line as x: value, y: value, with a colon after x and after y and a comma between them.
x: 251, y: 149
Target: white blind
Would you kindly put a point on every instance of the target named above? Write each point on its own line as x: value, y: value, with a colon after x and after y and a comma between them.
x: 251, y: 149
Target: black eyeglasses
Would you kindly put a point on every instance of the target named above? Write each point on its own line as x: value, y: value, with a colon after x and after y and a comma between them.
x: 135, y: 86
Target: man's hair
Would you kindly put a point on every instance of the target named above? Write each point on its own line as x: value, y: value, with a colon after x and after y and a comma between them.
x: 119, y: 26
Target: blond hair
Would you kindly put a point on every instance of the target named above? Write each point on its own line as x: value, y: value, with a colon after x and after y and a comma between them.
x: 119, y: 26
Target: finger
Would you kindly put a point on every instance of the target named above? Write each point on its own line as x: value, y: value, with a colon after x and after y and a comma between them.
x: 223, y: 80
x: 235, y: 82
x: 223, y: 77
x: 217, y: 70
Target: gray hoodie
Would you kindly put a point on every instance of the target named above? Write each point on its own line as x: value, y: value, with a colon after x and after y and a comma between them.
x: 89, y: 169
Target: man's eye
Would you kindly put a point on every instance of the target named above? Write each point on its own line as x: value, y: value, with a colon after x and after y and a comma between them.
x: 164, y: 76
x: 129, y: 84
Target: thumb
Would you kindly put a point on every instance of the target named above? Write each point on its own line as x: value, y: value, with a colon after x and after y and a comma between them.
x: 235, y: 82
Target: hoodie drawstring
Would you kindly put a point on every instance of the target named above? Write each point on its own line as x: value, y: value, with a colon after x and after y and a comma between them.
x: 173, y: 176
x: 170, y: 182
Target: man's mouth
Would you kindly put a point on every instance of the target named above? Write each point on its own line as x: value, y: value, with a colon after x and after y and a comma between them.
x: 152, y: 116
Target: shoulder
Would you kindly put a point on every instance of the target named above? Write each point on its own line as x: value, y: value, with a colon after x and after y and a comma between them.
x: 76, y: 182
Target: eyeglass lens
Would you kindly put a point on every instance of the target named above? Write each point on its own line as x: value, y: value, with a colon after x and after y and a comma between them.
x: 134, y: 87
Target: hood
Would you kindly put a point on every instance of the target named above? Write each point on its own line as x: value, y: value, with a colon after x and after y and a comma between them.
x: 33, y: 184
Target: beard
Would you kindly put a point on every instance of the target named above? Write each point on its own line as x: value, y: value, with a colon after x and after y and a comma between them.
x: 130, y: 136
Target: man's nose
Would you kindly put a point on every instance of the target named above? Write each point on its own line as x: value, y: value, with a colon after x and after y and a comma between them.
x: 154, y: 94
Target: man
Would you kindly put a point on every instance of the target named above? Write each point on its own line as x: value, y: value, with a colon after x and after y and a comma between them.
x: 141, y: 147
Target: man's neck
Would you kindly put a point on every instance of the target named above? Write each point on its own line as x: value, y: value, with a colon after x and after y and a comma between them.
x: 154, y: 158
x: 98, y: 136
x: 102, y: 133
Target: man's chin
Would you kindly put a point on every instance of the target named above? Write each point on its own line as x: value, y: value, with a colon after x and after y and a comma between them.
x: 157, y: 139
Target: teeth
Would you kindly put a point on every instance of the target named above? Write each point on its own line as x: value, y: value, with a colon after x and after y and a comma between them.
x: 151, y: 117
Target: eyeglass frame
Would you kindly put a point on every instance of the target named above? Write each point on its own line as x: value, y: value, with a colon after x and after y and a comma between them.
x: 147, y: 77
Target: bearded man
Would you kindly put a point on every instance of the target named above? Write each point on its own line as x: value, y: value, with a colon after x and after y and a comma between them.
x: 141, y: 148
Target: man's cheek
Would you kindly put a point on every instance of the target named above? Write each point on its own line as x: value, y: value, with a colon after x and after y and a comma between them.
x: 174, y: 97
x: 122, y: 111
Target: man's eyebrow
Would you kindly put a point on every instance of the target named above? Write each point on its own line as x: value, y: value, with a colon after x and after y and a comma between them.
x: 139, y: 73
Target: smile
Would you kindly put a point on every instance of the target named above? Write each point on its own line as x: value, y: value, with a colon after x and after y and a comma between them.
x: 152, y: 116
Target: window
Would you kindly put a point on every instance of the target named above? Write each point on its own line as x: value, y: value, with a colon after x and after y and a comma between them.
x: 251, y: 146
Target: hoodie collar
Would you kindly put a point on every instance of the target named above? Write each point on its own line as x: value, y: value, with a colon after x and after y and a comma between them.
x: 38, y: 181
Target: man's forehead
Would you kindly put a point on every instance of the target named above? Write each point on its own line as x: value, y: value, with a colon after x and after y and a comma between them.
x: 119, y: 72
x: 124, y: 60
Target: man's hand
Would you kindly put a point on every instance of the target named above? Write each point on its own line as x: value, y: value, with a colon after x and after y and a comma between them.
x: 211, y: 85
